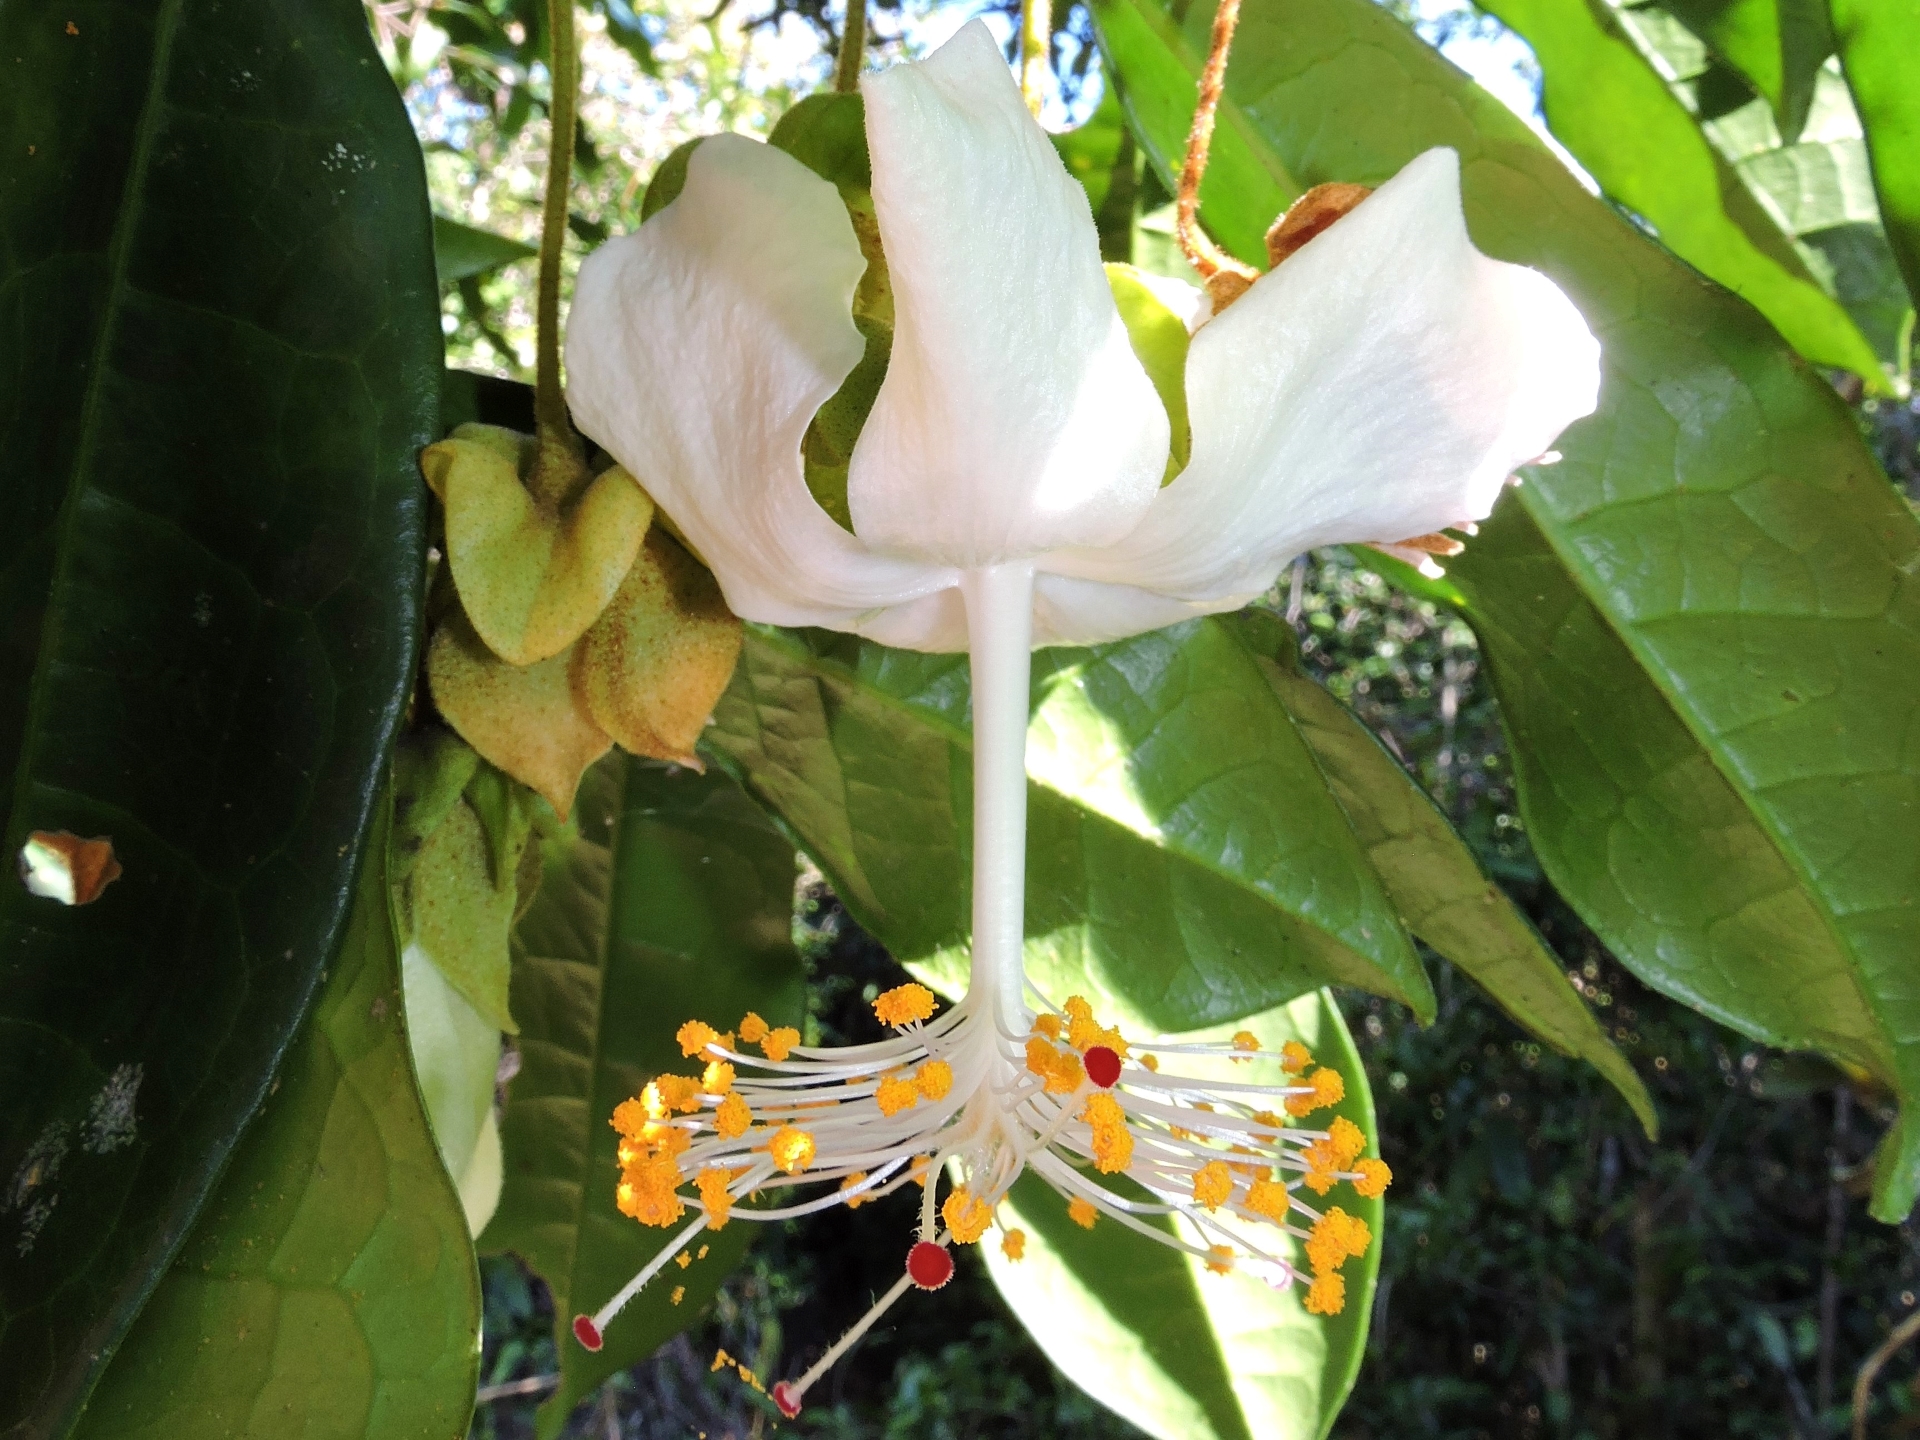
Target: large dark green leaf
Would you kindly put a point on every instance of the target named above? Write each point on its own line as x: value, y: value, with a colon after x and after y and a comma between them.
x: 1182, y: 1353
x: 1878, y: 42
x: 1432, y: 876
x: 672, y: 898
x: 329, y: 1287
x: 219, y: 352
x: 1185, y: 859
x: 1704, y: 624
x: 1608, y: 106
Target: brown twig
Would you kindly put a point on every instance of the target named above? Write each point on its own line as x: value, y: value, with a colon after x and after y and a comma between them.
x: 1201, y: 252
x: 1863, y: 1385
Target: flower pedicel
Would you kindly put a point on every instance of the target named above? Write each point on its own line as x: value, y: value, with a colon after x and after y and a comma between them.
x: 1006, y: 492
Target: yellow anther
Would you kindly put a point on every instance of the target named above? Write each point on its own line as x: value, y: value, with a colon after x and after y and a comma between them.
x: 701, y: 1253
x: 1048, y: 1025
x: 683, y: 1260
x: 714, y: 1196
x: 1327, y: 1295
x: 733, y: 1117
x: 779, y: 1043
x: 1328, y: 1089
x: 658, y: 1137
x: 667, y: 1093
x: 1061, y: 1070
x: 646, y: 1192
x: 967, y: 1216
x: 1270, y: 1120
x: 1294, y: 1057
x: 1269, y: 1198
x: 1152, y: 1062
x: 791, y: 1149
x: 1317, y: 1180
x: 1077, y: 1008
x: 717, y: 1078
x: 1335, y: 1238
x: 895, y: 1095
x: 679, y: 1294
x: 1112, y: 1141
x: 695, y: 1036
x: 904, y: 1005
x: 629, y: 1118
x: 1081, y: 1212
x: 721, y: 1359
x: 1220, y: 1259
x: 1247, y: 1042
x: 921, y: 1170
x: 753, y: 1029
x: 1344, y: 1142
x: 748, y: 1377
x: 1374, y: 1178
x: 935, y: 1079
x: 1212, y: 1184
x: 1013, y: 1244
x: 855, y: 1201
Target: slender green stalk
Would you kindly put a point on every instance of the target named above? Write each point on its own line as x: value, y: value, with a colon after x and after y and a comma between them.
x: 549, y: 403
x: 1036, y: 47
x: 853, y: 48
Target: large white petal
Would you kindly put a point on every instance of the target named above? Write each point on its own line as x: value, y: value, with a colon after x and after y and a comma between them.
x: 1381, y: 383
x: 699, y: 348
x: 1014, y: 417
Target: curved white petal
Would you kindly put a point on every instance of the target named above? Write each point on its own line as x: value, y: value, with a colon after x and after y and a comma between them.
x: 1014, y: 417
x: 699, y: 348
x: 1381, y: 383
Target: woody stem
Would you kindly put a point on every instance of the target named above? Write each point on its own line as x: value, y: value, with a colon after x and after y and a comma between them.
x: 999, y: 604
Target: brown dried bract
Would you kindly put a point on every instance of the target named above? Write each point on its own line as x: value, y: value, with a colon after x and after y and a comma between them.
x: 1308, y: 216
x: 60, y: 865
x: 1438, y: 543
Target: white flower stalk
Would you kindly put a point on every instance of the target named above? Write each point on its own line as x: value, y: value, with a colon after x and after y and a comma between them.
x: 1006, y: 492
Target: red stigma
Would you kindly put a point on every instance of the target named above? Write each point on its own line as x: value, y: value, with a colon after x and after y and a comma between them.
x: 586, y: 1332
x: 1103, y: 1066
x: 785, y: 1397
x: 929, y: 1265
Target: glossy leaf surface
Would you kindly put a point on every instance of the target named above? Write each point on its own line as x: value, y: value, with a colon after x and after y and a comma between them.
x: 328, y: 1288
x: 220, y: 343
x: 1432, y: 876
x: 1615, y: 113
x: 1183, y: 1353
x: 1184, y: 859
x: 1878, y: 42
x: 1712, y: 600
x: 671, y: 897
x: 463, y: 251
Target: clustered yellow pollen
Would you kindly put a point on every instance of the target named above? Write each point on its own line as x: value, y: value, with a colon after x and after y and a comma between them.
x: 679, y: 1294
x: 1374, y: 1178
x: 895, y: 1094
x: 779, y: 1043
x: 646, y: 1191
x: 714, y: 1196
x: 791, y: 1149
x: 1328, y: 1089
x: 855, y: 1201
x: 904, y: 1005
x: 935, y: 1079
x: 717, y: 1078
x: 1247, y: 1043
x: 666, y: 1094
x: 1013, y: 1244
x: 1268, y: 1198
x: 1112, y: 1141
x: 967, y: 1216
x: 1336, y: 1237
x: 752, y: 1031
x: 1084, y: 1032
x: 733, y: 1117
x: 1212, y: 1184
x: 1061, y: 1069
x: 683, y: 1260
x: 1294, y: 1057
x: 695, y: 1036
x: 1220, y: 1259
x: 1327, y: 1295
x: 1080, y: 1210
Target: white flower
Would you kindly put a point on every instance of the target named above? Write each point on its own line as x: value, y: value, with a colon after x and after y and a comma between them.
x: 1381, y: 383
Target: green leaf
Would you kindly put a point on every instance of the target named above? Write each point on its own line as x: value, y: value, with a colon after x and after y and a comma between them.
x: 1182, y: 1353
x: 1089, y: 150
x: 670, y: 898
x: 1878, y: 42
x: 1432, y: 876
x: 329, y: 1286
x: 1776, y: 45
x: 1608, y: 105
x: 1185, y: 860
x: 1703, y: 624
x: 1159, y: 339
x: 220, y: 337
x: 461, y: 251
